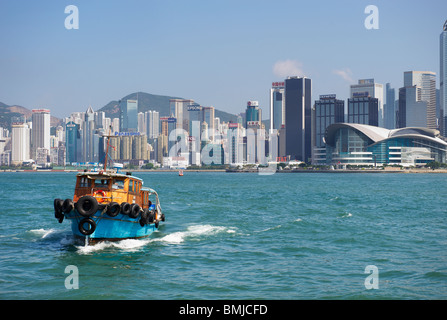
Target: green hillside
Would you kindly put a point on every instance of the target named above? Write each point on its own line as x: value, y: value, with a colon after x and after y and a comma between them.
x: 147, y: 101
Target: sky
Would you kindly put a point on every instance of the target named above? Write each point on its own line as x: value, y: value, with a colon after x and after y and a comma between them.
x: 219, y: 53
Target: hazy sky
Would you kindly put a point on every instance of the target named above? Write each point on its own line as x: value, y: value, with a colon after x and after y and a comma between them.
x: 220, y: 53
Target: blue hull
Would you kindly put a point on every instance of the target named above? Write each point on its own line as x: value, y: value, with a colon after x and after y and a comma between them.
x: 111, y: 228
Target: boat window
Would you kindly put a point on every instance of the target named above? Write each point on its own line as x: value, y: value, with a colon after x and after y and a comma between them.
x: 84, y: 182
x: 131, y: 186
x: 101, y: 183
x: 118, y: 184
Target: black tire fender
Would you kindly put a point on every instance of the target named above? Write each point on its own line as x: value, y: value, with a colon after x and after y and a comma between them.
x: 67, y: 206
x: 87, y: 206
x: 125, y: 208
x: 90, y: 230
x: 134, y: 210
x: 113, y: 209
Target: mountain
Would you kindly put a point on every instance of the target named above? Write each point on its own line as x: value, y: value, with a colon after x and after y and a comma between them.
x: 147, y: 101
x: 7, y: 113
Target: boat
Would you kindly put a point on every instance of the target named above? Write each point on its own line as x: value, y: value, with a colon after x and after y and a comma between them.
x: 110, y: 206
x: 180, y: 173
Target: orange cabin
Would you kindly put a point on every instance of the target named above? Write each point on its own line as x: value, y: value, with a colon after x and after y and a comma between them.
x: 111, y: 187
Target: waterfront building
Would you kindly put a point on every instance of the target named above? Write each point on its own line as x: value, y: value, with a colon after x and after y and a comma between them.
x: 195, y: 116
x: 128, y: 115
x: 142, y: 126
x: 178, y: 109
x: 298, y: 107
x: 412, y: 111
x: 326, y: 111
x: 20, y: 143
x: 372, y: 89
x: 253, y: 114
x: 359, y: 144
x: 235, y: 144
x: 152, y: 121
x: 389, y: 110
x: 277, y: 105
x: 73, y: 142
x: 425, y: 83
x: 208, y: 117
x: 40, y: 130
x: 443, y: 77
x: 363, y: 109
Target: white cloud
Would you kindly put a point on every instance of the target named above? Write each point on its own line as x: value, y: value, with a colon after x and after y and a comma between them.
x: 287, y: 68
x: 345, y: 73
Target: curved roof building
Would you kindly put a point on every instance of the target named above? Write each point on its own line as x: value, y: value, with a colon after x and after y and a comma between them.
x: 359, y: 144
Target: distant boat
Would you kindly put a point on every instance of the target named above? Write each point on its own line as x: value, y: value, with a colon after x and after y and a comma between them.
x: 180, y: 173
x: 108, y: 205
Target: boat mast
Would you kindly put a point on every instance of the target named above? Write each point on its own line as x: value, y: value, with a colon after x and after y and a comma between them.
x: 107, y: 149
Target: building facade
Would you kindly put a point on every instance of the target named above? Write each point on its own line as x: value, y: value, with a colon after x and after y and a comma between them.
x: 129, y: 116
x: 363, y: 109
x: 373, y: 90
x: 364, y: 145
x: 443, y: 77
x: 389, y: 110
x: 277, y: 105
x: 40, y: 131
x: 298, y: 108
x: 425, y: 83
x: 20, y: 143
x: 326, y: 111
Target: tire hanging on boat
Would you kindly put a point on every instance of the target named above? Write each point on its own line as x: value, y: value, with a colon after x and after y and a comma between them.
x: 58, y: 210
x: 87, y: 206
x: 144, y: 217
x: 113, y: 209
x: 134, y: 210
x: 125, y: 208
x: 67, y: 206
x: 91, y: 228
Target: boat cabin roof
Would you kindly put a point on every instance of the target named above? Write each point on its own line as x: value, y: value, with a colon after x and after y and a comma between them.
x: 107, y: 176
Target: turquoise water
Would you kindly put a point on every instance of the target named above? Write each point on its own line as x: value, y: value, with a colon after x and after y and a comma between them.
x: 237, y: 236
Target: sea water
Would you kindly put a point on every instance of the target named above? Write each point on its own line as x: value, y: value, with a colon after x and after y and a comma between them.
x: 237, y: 236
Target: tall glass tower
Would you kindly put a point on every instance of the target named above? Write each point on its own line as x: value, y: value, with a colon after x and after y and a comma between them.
x: 298, y: 112
x: 443, y: 77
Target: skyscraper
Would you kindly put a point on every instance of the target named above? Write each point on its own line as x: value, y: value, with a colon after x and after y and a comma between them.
x: 374, y: 90
x: 277, y: 105
x: 40, y: 130
x: 73, y: 142
x: 389, y: 112
x: 298, y: 117
x: 208, y: 117
x: 425, y: 81
x: 253, y: 115
x: 20, y: 145
x: 178, y: 109
x: 129, y: 116
x: 443, y: 76
x: 152, y: 120
x: 412, y: 110
x: 363, y: 109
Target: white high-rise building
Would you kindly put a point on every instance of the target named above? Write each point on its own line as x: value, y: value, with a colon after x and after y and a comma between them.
x: 443, y: 77
x: 20, y: 143
x: 426, y: 81
x: 277, y: 105
x: 374, y: 90
x: 152, y: 120
x: 40, y: 130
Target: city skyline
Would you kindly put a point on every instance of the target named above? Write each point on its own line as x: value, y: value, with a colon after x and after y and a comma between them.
x: 217, y: 54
